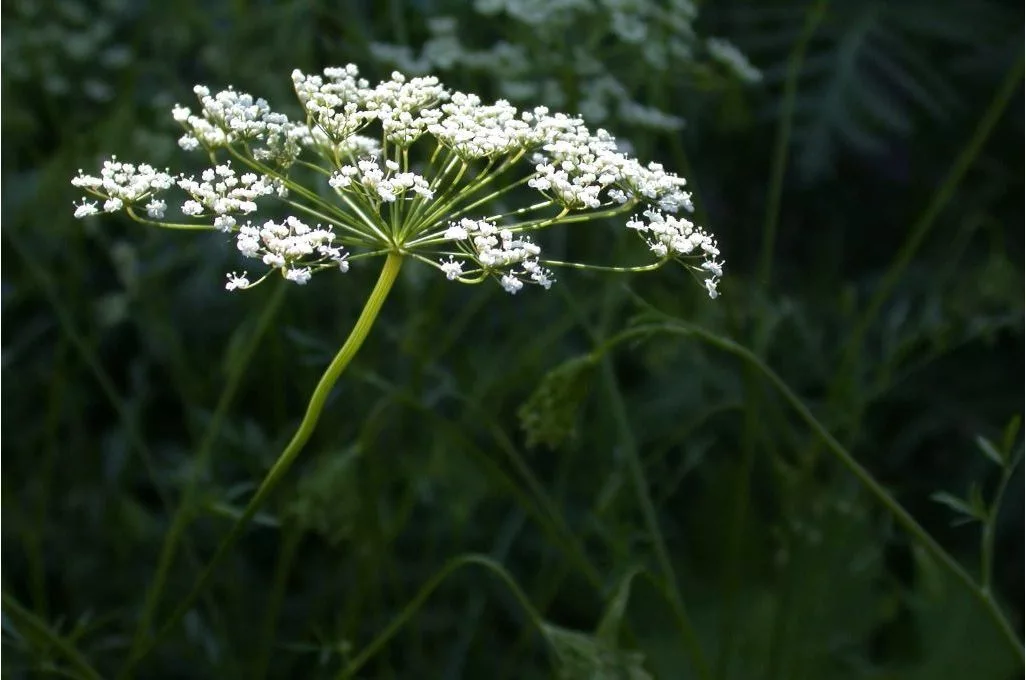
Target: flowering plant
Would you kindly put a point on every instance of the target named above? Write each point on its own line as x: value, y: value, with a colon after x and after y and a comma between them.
x: 370, y: 197
x: 421, y: 189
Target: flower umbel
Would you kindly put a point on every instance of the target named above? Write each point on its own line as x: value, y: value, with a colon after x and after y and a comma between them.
x: 404, y: 167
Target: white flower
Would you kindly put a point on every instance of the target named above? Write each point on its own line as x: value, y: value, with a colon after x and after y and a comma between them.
x: 452, y: 268
x: 300, y: 276
x: 224, y: 222
x: 455, y: 232
x: 385, y: 193
x: 237, y: 281
x: 498, y: 251
x: 511, y: 284
x: 715, y: 268
x: 248, y: 242
x: 676, y: 235
x: 85, y: 209
x: 188, y: 143
x: 340, y: 180
x: 121, y: 184
x: 220, y: 191
x: 335, y: 102
x: 230, y: 116
x: 475, y: 130
x: 155, y: 209
x: 668, y: 235
x: 291, y: 245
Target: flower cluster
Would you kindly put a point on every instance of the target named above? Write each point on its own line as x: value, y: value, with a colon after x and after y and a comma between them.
x: 121, y: 184
x: 290, y: 246
x: 443, y: 159
x: 474, y: 130
x: 494, y: 248
x: 670, y: 236
x: 381, y: 186
x: 221, y: 192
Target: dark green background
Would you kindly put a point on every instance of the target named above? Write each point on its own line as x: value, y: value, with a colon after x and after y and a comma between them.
x: 118, y: 342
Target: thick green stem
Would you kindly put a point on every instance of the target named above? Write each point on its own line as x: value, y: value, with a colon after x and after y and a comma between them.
x: 313, y: 413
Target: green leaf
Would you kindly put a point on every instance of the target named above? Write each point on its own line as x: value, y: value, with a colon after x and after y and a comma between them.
x: 609, y: 627
x: 549, y: 415
x: 584, y: 657
x: 990, y: 451
x: 1011, y: 434
x: 957, y: 504
x: 328, y: 497
x: 976, y: 501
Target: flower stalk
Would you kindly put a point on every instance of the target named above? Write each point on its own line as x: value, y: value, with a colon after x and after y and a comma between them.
x: 442, y: 183
x: 352, y: 344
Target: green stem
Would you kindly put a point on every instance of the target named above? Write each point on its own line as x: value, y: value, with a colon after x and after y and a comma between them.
x: 738, y: 524
x: 922, y: 227
x: 34, y: 537
x: 286, y: 559
x: 126, y: 417
x: 637, y: 472
x: 794, y: 66
x: 313, y: 412
x: 867, y: 480
x: 206, y: 447
x: 652, y: 521
x: 987, y: 539
x: 605, y: 268
x: 32, y: 624
x: 542, y: 508
x: 425, y: 592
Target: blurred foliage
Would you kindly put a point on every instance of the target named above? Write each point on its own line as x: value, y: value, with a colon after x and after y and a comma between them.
x: 120, y: 342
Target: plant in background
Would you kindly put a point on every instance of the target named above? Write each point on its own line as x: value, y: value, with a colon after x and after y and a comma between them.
x: 444, y: 181
x: 587, y: 77
x: 76, y: 58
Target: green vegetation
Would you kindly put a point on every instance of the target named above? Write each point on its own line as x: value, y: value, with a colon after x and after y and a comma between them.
x: 816, y: 475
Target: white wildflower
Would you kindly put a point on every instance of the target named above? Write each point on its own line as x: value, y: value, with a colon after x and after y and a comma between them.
x: 224, y: 223
x: 452, y: 268
x: 511, y: 284
x: 300, y: 276
x: 121, y: 184
x: 220, y: 191
x: 386, y: 198
x: 155, y: 209
x: 85, y: 209
x: 237, y: 282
